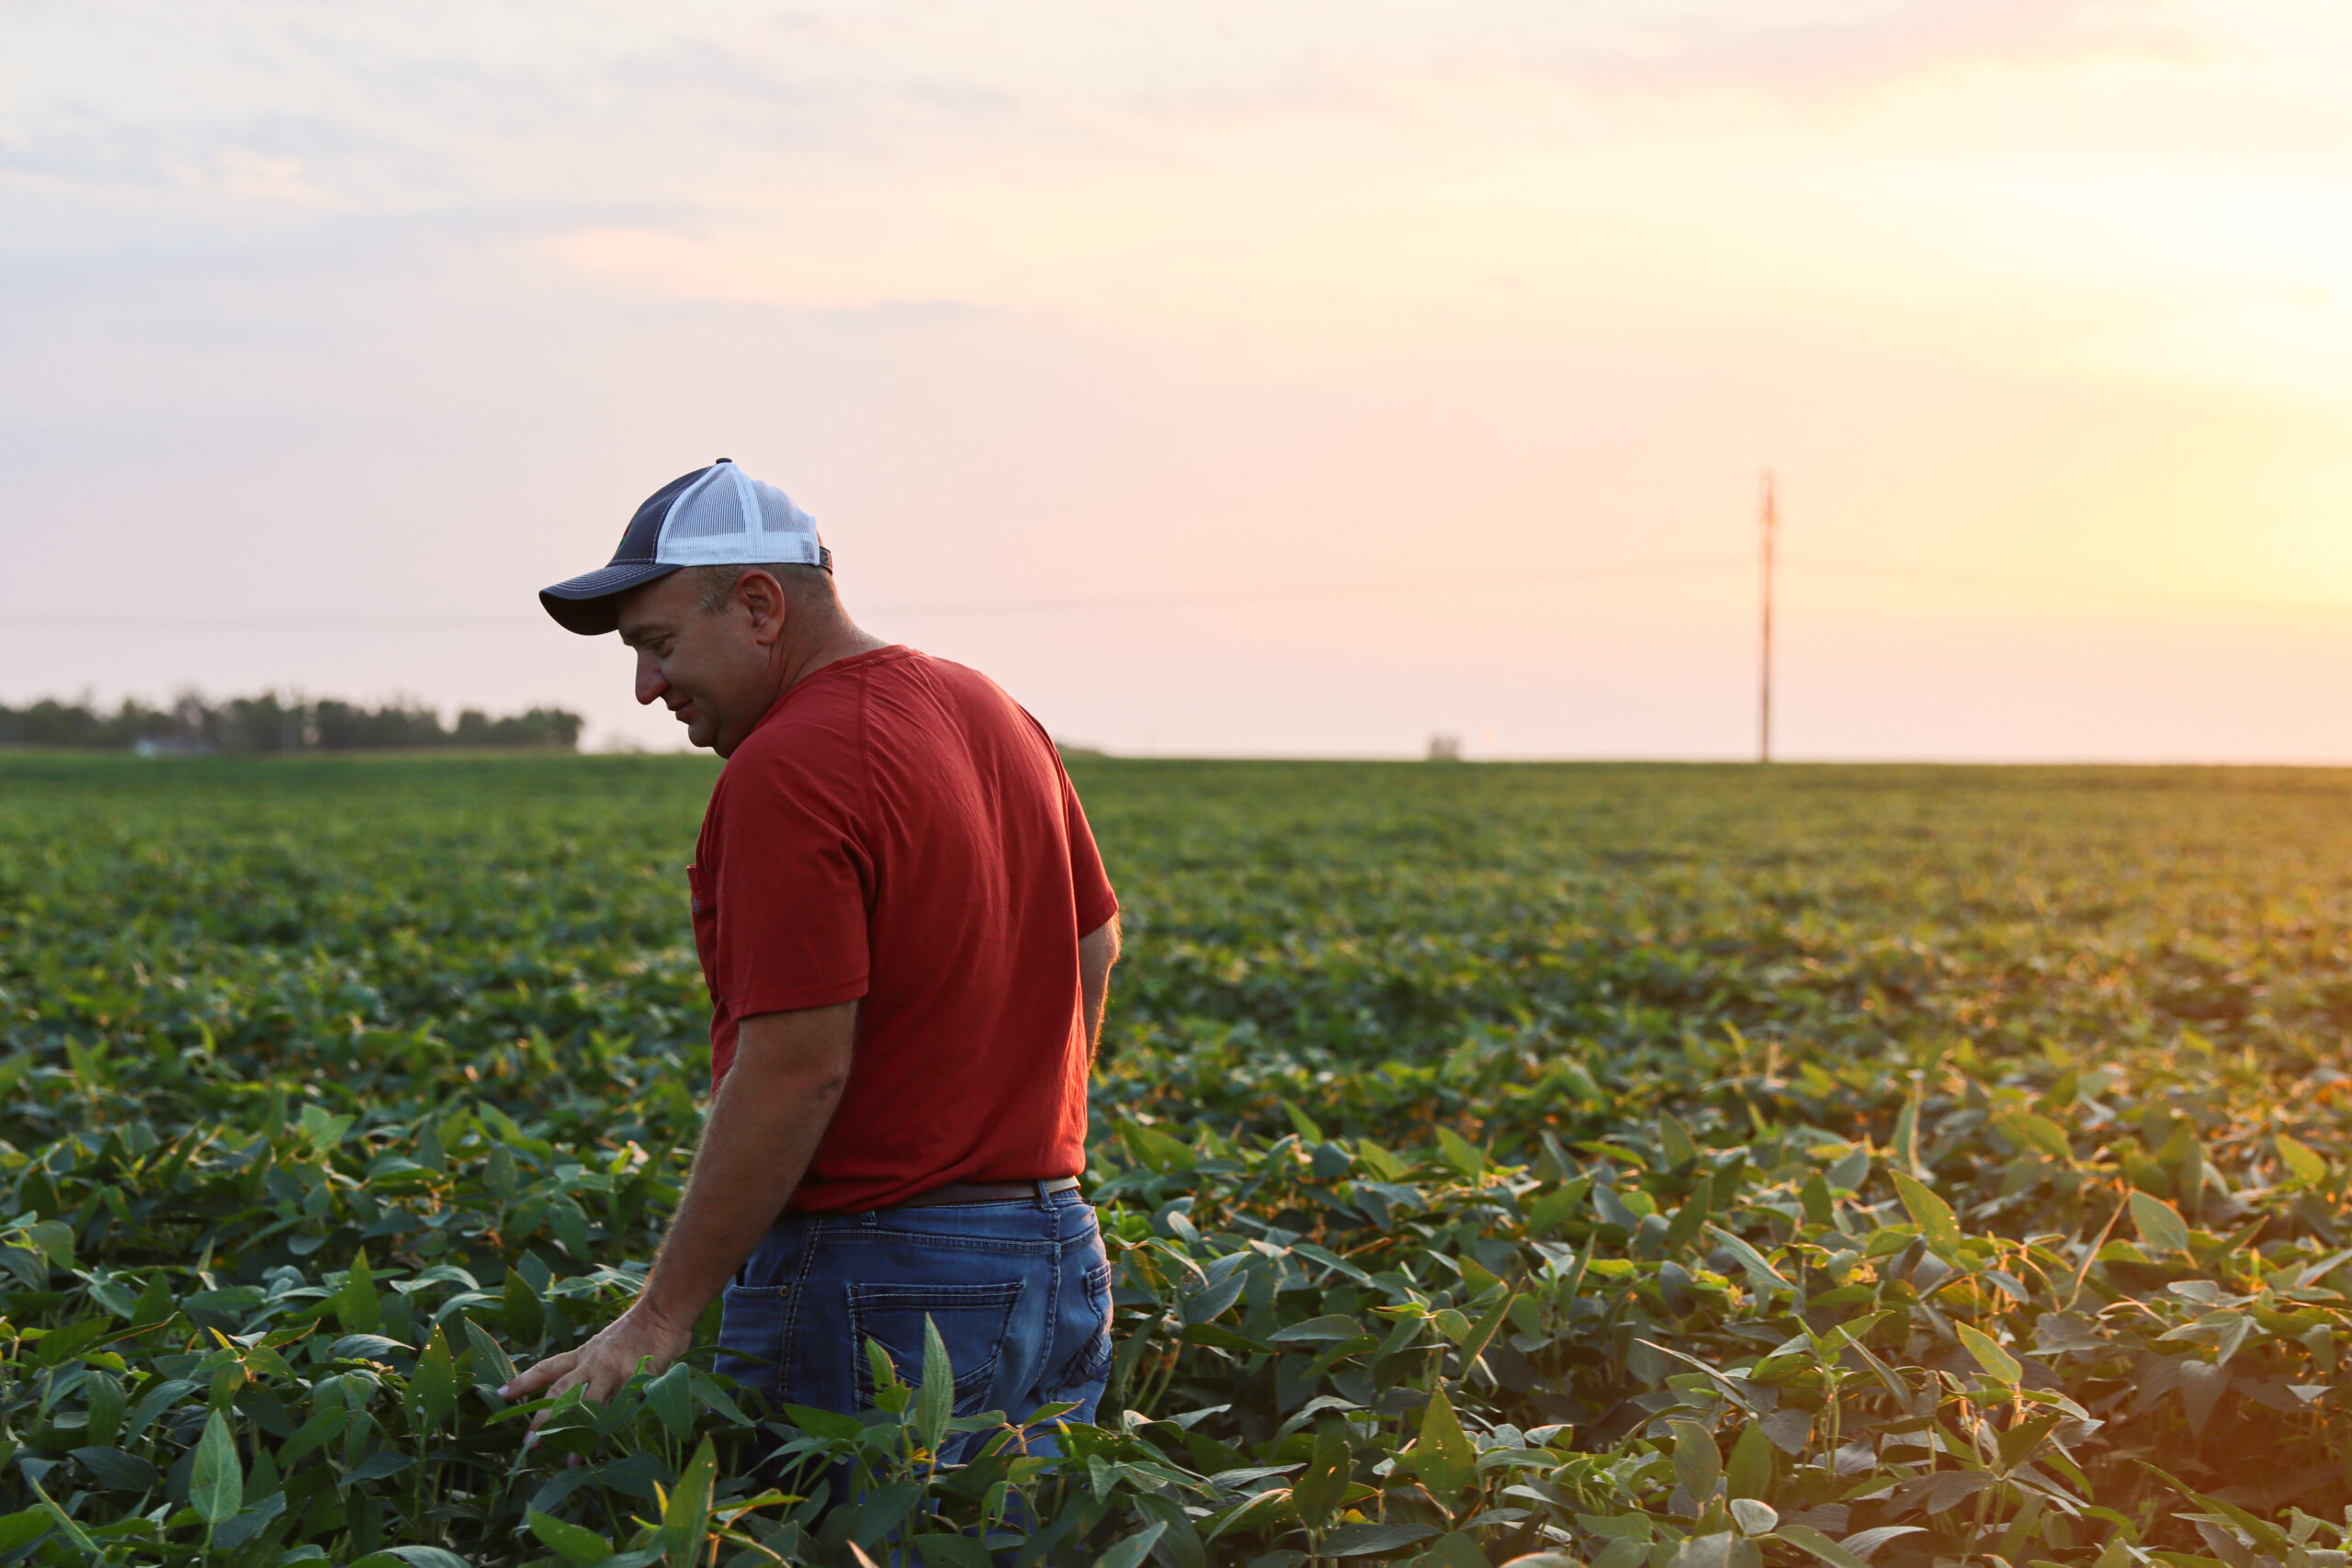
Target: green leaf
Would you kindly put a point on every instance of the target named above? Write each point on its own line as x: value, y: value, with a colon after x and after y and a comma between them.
x: 433, y: 1389
x: 324, y: 1129
x: 424, y: 1557
x: 116, y: 1470
x: 1473, y: 1344
x: 687, y: 1516
x: 1990, y: 1355
x: 1750, y: 1472
x: 574, y: 1543
x: 1688, y: 1218
x: 670, y: 1398
x: 1442, y: 1456
x: 493, y: 1368
x: 952, y: 1551
x: 216, y: 1481
x: 1460, y: 1154
x: 356, y: 1305
x: 1155, y: 1150
x: 1930, y: 1214
x: 935, y: 1401
x: 1130, y: 1553
x: 1373, y: 1539
x: 1319, y: 1491
x: 1713, y: 1550
x: 878, y: 1365
x: 2037, y: 1132
x: 2304, y: 1161
x: 1761, y: 1272
x: 1863, y: 1542
x: 1460, y: 1550
x: 1807, y: 1539
x: 1675, y: 1141
x: 1697, y: 1464
x: 823, y: 1423
x: 18, y: 1529
x: 1224, y: 1338
x: 2020, y: 1442
x: 2160, y: 1226
x: 382, y: 1463
x: 55, y: 1240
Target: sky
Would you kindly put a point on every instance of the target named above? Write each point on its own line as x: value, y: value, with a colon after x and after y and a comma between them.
x: 1307, y: 379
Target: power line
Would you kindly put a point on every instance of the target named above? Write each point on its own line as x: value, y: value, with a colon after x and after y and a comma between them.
x: 1297, y: 592
x: 2060, y: 588
x: 1292, y: 593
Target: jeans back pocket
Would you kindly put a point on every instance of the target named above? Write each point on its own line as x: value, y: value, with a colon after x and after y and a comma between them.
x: 752, y: 1328
x: 973, y: 1322
x: 1091, y: 1362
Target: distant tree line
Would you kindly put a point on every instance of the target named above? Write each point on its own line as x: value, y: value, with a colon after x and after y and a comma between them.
x: 272, y: 723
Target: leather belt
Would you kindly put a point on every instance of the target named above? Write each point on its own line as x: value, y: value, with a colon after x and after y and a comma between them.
x: 988, y: 1191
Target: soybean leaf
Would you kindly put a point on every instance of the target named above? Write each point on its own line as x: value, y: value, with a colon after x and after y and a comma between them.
x: 935, y: 1401
x: 574, y: 1543
x: 1373, y: 1539
x: 670, y: 1398
x: 1443, y: 1457
x: 1810, y: 1539
x: 2159, y: 1224
x: 1697, y: 1464
x: 1933, y: 1217
x: 2302, y: 1160
x: 1990, y: 1355
x: 1750, y: 1474
x: 1130, y: 1553
x: 216, y: 1482
x: 1319, y: 1491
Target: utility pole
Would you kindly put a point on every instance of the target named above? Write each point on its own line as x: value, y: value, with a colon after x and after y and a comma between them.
x: 1771, y: 520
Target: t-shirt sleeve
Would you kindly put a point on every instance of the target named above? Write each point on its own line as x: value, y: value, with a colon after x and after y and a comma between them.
x: 794, y: 886
x: 1090, y: 883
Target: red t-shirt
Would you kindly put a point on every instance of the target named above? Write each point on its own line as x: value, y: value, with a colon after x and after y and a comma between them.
x: 900, y: 829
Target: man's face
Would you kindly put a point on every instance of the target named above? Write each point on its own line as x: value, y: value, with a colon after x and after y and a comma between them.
x: 709, y: 668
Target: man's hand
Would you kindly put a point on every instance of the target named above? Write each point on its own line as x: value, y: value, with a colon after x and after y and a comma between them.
x: 790, y: 1071
x: 605, y: 1363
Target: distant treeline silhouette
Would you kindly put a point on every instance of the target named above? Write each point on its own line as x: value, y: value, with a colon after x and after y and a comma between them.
x: 272, y: 723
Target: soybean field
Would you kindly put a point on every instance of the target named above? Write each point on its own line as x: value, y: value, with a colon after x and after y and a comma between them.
x: 1644, y: 1167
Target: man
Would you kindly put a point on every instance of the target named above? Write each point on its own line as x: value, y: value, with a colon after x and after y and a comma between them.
x: 907, y: 935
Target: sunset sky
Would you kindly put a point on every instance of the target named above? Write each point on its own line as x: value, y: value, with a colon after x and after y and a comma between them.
x: 1222, y: 380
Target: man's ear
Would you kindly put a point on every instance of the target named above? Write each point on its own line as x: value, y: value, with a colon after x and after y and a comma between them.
x: 763, y: 599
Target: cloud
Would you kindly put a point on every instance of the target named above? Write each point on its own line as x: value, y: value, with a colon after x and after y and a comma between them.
x: 1864, y: 45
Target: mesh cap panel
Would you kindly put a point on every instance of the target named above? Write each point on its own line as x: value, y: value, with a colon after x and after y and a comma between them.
x: 728, y: 518
x: 711, y: 509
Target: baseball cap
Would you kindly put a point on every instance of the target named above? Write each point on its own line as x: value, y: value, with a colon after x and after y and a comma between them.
x: 715, y: 516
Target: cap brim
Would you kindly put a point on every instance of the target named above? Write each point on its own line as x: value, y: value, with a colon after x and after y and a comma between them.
x: 588, y: 604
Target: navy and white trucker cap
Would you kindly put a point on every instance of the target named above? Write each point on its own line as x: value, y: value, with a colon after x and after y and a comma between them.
x: 715, y: 516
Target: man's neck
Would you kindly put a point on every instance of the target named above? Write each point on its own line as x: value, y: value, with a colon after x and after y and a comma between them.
x: 839, y: 640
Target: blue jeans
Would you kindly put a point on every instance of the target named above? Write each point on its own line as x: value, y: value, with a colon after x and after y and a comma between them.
x: 1020, y: 1289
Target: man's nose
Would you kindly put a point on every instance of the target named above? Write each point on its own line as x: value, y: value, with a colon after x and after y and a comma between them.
x: 649, y: 681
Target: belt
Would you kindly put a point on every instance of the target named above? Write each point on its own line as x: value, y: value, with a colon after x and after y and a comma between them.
x: 988, y: 1191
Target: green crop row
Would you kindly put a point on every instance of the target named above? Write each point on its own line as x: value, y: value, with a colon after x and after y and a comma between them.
x: 1656, y: 1167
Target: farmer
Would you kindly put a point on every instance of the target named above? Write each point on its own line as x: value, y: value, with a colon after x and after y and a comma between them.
x: 907, y: 935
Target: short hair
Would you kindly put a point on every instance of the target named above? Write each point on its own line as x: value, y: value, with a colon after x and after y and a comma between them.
x: 799, y: 580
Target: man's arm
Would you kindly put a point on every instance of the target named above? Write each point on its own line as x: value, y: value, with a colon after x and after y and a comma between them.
x: 771, y: 1109
x: 1097, y: 951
